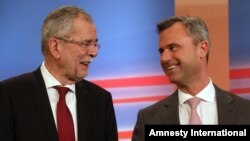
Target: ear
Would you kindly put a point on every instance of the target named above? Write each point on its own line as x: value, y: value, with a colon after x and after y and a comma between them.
x: 54, y: 47
x: 203, y: 49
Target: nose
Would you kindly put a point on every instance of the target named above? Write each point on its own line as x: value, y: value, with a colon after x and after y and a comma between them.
x: 93, y: 50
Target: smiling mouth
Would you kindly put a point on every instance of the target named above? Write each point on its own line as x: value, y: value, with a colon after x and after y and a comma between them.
x: 86, y: 62
x: 171, y: 67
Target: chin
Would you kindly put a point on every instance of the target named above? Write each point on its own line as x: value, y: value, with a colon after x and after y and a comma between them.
x: 173, y: 79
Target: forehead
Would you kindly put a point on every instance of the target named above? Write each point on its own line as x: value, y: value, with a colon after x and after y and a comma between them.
x: 81, y: 27
x: 173, y: 33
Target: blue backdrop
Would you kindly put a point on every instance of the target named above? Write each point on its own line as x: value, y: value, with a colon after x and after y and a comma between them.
x: 128, y: 58
x: 239, y: 36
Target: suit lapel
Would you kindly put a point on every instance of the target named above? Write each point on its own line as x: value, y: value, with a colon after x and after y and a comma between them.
x: 82, y: 110
x: 41, y: 100
x: 170, y: 114
x: 226, y: 110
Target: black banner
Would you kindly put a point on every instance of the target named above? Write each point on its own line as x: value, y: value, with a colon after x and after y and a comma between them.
x: 193, y: 132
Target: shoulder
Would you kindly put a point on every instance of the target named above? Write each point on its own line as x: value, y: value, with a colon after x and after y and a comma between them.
x: 240, y: 101
x: 230, y: 97
x: 167, y: 102
x: 18, y: 80
x: 18, y: 85
x: 155, y: 107
x: 92, y: 88
x: 91, y: 85
x: 165, y: 107
x: 165, y: 110
x: 94, y: 94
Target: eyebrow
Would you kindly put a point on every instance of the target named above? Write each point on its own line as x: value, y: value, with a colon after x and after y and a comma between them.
x: 171, y: 45
x: 168, y: 46
x: 89, y: 40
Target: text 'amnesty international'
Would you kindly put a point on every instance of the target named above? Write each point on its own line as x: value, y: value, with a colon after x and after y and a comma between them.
x: 193, y: 132
x: 200, y: 132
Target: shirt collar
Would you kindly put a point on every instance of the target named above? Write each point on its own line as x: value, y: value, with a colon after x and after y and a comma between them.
x: 51, y: 81
x: 207, y: 94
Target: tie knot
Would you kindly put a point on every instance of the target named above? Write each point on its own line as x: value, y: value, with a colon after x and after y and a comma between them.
x: 193, y: 102
x: 62, y: 91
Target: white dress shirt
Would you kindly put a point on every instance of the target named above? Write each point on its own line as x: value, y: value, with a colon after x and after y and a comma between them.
x: 53, y: 95
x: 207, y: 108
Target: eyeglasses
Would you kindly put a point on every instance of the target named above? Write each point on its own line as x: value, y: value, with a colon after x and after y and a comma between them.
x: 84, y: 44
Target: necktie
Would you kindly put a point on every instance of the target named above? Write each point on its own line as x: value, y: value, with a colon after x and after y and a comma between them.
x: 65, y: 123
x: 194, y: 117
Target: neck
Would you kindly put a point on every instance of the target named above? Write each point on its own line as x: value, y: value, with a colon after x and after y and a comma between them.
x: 58, y: 73
x: 194, y: 87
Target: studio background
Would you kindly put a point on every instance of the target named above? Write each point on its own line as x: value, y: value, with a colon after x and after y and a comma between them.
x: 128, y: 61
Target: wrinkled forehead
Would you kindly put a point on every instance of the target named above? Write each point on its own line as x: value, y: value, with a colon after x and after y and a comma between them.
x: 84, y: 30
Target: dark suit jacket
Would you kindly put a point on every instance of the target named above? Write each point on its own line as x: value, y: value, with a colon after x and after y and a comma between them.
x: 232, y: 109
x: 26, y: 115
